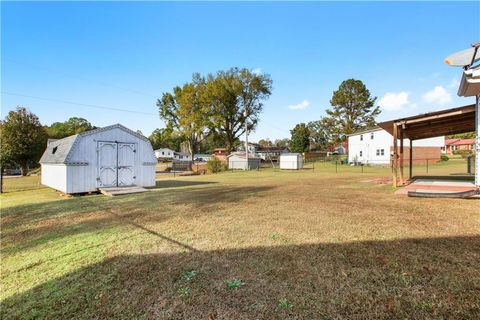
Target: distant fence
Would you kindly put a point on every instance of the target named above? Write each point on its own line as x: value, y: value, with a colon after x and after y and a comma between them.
x: 339, y: 164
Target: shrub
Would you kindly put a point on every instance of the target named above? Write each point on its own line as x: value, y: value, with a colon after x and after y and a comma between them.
x: 463, y: 153
x: 215, y: 165
x: 235, y: 283
x: 444, y: 157
x: 284, y: 304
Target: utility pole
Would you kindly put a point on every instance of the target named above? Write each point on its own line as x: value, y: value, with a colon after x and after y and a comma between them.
x: 247, y: 166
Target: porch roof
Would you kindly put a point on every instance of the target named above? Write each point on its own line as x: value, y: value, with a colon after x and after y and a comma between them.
x: 434, y: 124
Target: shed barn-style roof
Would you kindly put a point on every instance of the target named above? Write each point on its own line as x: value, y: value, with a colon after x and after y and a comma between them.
x: 59, y: 151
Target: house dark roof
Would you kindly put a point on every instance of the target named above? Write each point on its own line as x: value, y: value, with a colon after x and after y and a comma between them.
x: 58, y: 151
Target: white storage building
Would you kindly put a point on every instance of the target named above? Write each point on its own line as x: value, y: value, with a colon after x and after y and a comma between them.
x: 238, y: 160
x: 113, y: 156
x: 292, y: 161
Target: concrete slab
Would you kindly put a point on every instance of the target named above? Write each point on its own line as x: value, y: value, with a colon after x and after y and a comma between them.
x: 443, y: 182
x: 116, y: 191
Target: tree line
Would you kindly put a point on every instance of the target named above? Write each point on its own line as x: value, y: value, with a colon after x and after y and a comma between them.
x: 207, y: 112
x: 23, y: 138
x: 213, y: 110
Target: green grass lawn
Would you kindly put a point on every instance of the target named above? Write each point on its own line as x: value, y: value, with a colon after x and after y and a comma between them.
x: 241, y: 245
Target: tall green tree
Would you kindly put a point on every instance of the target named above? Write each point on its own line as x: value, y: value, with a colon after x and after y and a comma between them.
x: 265, y: 142
x: 186, y: 112
x: 23, y: 138
x: 468, y: 135
x: 74, y: 125
x: 165, y: 138
x: 236, y: 98
x: 214, y: 140
x: 282, y: 143
x: 300, y: 140
x: 353, y: 109
x: 319, y: 135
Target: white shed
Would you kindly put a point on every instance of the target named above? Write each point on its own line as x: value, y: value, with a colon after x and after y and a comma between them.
x: 238, y: 160
x: 113, y: 156
x: 292, y: 161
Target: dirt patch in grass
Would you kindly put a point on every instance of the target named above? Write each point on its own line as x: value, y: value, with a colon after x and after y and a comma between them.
x: 380, y: 180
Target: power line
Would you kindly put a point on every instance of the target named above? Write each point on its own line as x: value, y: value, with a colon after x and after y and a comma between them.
x: 78, y: 103
x: 61, y: 73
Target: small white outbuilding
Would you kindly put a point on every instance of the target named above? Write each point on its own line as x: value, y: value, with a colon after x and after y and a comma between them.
x: 238, y: 160
x: 113, y: 156
x: 292, y: 161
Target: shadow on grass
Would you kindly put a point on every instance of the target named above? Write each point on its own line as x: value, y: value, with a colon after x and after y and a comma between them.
x: 179, y: 183
x: 54, y: 220
x: 413, y: 278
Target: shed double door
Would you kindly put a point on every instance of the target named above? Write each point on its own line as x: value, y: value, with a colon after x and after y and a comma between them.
x: 116, y: 164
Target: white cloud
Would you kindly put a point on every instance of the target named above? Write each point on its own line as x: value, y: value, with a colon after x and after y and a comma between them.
x: 257, y: 71
x: 394, y: 101
x: 454, y: 83
x: 438, y: 95
x: 300, y: 106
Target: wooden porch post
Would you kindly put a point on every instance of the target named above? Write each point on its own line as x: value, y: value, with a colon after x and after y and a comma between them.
x: 395, y: 155
x: 401, y: 155
x: 410, y: 170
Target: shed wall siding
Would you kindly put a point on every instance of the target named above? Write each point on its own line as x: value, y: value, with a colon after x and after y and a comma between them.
x: 293, y: 162
x: 235, y: 162
x: 83, y: 178
x: 55, y: 176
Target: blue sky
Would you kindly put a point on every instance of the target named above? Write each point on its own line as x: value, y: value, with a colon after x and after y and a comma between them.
x: 125, y: 55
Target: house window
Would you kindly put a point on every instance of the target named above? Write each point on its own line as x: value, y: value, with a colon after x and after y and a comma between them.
x: 378, y: 152
x: 371, y: 136
x: 54, y: 150
x: 361, y: 137
x: 361, y: 153
x: 163, y: 153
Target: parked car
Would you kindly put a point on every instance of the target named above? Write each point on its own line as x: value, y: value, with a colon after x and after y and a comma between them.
x: 12, y: 171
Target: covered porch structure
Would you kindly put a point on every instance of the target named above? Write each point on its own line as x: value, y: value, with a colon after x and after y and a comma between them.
x: 428, y: 125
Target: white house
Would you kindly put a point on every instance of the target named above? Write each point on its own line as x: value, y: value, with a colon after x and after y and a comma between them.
x: 374, y: 147
x: 266, y: 153
x: 164, y: 153
x: 181, y: 156
x: 113, y: 156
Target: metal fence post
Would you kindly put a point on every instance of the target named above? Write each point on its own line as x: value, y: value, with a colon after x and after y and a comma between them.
x: 362, y: 167
x: 336, y: 166
x: 427, y: 166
